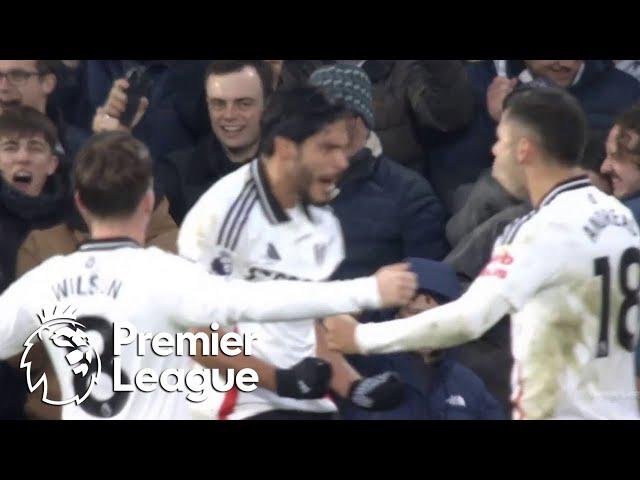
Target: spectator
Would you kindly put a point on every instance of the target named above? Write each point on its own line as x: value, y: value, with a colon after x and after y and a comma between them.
x: 286, y: 73
x: 408, y: 218
x: 437, y: 387
x: 622, y: 167
x: 473, y: 230
x: 622, y: 164
x: 34, y: 193
x: 602, y: 90
x: 414, y: 102
x: 236, y: 93
x: 173, y: 118
x: 36, y: 83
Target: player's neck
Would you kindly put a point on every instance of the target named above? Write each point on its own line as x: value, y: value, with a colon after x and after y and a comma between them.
x: 280, y: 184
x: 544, y: 179
x: 109, y: 230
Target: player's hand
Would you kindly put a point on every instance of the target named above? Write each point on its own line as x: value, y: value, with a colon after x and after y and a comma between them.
x: 397, y: 285
x: 341, y: 333
x: 309, y: 379
x: 107, y: 117
x: 382, y: 392
x: 496, y: 94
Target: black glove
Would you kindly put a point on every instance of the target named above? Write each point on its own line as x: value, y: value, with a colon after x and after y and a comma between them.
x: 382, y: 392
x: 308, y: 379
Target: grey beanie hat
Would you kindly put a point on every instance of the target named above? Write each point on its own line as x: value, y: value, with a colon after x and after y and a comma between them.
x: 350, y: 84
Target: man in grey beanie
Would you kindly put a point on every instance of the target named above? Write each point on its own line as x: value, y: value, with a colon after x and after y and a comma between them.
x: 387, y: 211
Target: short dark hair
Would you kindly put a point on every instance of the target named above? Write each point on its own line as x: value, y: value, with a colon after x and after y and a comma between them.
x: 113, y: 172
x: 224, y: 67
x: 595, y: 151
x: 556, y: 117
x: 27, y: 121
x: 45, y: 67
x: 297, y: 113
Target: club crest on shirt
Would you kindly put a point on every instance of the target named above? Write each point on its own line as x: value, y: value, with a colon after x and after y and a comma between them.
x: 222, y: 264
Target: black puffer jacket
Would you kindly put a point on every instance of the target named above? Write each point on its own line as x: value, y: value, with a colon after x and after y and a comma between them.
x: 416, y: 100
x: 388, y: 213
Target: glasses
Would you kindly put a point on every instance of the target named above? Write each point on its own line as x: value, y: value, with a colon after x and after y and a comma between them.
x: 18, y: 77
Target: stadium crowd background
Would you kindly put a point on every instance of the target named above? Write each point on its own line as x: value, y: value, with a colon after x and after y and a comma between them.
x: 419, y: 183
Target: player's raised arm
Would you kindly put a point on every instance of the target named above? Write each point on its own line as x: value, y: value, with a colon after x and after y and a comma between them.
x: 206, y: 298
x: 449, y: 325
x: 515, y: 272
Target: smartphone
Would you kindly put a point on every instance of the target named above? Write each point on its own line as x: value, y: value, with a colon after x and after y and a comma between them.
x: 139, y: 86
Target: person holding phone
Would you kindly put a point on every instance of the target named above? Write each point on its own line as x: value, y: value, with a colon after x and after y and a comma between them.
x: 170, y: 109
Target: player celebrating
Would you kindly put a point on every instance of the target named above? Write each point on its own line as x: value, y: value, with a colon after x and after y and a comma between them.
x: 270, y: 220
x: 568, y: 273
x: 112, y: 279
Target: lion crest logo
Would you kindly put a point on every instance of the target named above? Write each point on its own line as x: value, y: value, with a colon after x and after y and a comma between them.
x: 82, y: 359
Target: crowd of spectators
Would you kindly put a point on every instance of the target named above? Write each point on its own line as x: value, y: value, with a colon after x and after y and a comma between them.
x: 419, y: 183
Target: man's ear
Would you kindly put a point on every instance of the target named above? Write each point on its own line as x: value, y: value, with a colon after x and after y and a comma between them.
x: 523, y: 150
x: 430, y: 300
x: 54, y: 162
x: 49, y: 82
x: 148, y: 202
x: 284, y: 148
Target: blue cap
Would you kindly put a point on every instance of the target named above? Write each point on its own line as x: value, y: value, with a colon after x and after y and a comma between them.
x: 436, y: 277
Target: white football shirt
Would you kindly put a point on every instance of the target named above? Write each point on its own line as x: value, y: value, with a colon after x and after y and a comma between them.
x: 239, y: 229
x: 116, y: 281
x: 569, y: 275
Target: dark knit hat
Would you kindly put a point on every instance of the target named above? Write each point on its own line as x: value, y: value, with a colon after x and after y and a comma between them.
x: 351, y: 85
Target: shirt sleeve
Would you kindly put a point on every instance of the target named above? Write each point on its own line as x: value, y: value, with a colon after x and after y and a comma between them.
x: 199, y: 298
x: 205, y: 237
x: 516, y: 271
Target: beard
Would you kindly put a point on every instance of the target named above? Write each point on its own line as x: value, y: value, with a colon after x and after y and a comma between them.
x: 305, y: 181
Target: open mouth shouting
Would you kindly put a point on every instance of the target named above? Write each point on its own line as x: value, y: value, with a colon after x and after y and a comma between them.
x: 22, y: 180
x: 329, y: 186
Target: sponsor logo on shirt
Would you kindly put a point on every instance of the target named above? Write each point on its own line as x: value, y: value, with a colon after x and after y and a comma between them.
x: 493, y: 267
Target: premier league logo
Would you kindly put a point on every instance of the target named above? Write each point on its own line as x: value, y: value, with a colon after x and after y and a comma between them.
x: 82, y: 359
x: 223, y: 265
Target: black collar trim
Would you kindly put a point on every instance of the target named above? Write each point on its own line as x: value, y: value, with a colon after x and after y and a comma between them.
x: 268, y: 201
x: 570, y: 184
